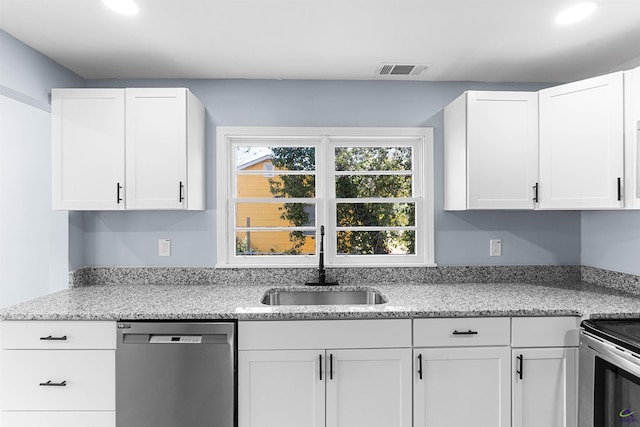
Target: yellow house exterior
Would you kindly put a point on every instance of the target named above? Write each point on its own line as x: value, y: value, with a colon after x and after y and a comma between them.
x: 263, y: 214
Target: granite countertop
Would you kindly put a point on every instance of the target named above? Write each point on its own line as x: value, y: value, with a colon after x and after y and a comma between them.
x: 212, y: 302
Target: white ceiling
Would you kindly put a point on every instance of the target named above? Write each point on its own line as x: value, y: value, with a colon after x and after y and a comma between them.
x: 474, y: 40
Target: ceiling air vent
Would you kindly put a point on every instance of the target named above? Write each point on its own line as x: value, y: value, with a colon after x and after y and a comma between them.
x: 401, y: 70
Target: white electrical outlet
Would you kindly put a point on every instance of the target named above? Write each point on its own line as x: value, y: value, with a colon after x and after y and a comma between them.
x: 164, y: 247
x: 495, y: 247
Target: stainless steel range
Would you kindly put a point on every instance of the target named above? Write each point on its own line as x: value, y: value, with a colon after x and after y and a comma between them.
x: 609, y: 373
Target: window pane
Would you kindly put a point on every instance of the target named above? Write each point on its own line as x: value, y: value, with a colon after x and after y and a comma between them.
x: 356, y: 186
x: 373, y: 158
x: 282, y: 158
x: 376, y: 214
x: 274, y: 185
x: 376, y: 242
x: 275, y: 215
x: 275, y: 243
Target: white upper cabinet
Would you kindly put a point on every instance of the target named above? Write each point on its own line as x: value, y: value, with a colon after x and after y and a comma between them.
x: 128, y: 149
x: 631, y: 132
x: 88, y: 143
x: 160, y: 134
x: 491, y: 151
x: 582, y: 144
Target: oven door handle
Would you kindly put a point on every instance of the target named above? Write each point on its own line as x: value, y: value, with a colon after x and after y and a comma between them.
x: 609, y: 352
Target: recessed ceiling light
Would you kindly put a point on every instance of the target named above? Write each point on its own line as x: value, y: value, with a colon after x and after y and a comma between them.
x: 576, y: 13
x: 125, y: 7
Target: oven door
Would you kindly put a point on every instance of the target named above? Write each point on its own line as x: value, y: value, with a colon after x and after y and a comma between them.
x: 609, y: 384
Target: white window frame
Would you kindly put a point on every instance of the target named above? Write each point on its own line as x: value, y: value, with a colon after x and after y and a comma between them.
x: 420, y: 139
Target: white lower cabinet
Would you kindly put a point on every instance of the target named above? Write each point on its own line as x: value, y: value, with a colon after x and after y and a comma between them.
x: 544, y: 387
x: 58, y: 419
x: 57, y: 374
x: 456, y: 386
x: 281, y: 388
x: 485, y: 372
x: 545, y: 371
x: 284, y: 385
x: 369, y: 388
x: 462, y: 372
x: 56, y: 380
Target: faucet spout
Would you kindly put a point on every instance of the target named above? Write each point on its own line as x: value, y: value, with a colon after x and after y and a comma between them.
x: 322, y: 276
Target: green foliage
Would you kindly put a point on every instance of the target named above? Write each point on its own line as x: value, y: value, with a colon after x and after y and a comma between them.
x: 242, y: 248
x: 353, y: 186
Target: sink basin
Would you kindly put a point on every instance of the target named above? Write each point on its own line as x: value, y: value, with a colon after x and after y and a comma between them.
x: 323, y: 297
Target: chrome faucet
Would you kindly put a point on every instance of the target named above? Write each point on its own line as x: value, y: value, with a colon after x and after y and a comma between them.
x: 322, y: 276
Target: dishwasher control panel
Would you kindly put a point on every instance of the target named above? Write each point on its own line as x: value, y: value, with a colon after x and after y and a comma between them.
x: 180, y: 339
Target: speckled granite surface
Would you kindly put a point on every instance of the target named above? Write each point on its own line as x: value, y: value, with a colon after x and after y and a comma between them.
x: 242, y: 301
x: 611, y: 279
x: 346, y: 276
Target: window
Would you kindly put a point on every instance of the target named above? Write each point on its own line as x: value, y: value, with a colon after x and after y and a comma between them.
x: 371, y: 188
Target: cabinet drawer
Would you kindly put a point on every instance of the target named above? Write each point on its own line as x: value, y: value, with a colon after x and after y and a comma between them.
x: 545, y: 331
x: 320, y: 334
x: 461, y: 332
x: 88, y: 375
x: 58, y: 419
x: 58, y: 335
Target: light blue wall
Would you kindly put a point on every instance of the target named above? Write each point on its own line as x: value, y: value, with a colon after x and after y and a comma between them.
x: 611, y: 240
x: 130, y: 238
x: 462, y: 238
x: 33, y: 238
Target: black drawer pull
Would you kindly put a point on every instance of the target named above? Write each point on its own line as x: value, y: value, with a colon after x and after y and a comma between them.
x: 469, y: 332
x: 50, y: 338
x: 420, y: 366
x: 521, y: 360
x: 619, y: 189
x: 320, y: 364
x: 52, y: 384
x: 330, y: 366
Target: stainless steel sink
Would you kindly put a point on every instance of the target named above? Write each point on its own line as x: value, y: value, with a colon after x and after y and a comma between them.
x: 323, y: 297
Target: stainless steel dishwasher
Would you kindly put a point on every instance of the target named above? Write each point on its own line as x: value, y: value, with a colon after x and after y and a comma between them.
x: 175, y: 374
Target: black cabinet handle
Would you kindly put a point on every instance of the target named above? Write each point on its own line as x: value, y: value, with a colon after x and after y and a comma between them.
x: 535, y: 192
x: 420, y: 366
x: 330, y: 366
x: 469, y: 332
x: 50, y: 338
x: 118, y: 188
x: 180, y: 192
x: 521, y: 359
x: 52, y: 384
x: 619, y: 189
x: 320, y: 364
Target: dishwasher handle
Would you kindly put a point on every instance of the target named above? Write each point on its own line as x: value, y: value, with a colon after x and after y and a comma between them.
x: 174, y: 339
x: 186, y: 333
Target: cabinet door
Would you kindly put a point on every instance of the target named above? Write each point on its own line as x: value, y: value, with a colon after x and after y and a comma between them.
x: 581, y: 144
x: 88, y: 136
x: 281, y: 388
x: 502, y: 149
x: 369, y: 388
x: 462, y: 386
x: 58, y: 380
x: 545, y: 394
x: 156, y: 148
x: 631, y: 139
